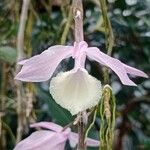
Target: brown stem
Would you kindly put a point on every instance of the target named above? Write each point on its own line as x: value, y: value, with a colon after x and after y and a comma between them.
x: 2, y: 105
x: 20, y: 53
x: 81, y: 132
x: 78, y: 20
x: 78, y: 32
x: 20, y: 37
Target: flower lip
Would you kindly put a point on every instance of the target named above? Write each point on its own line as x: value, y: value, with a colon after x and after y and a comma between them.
x: 75, y: 90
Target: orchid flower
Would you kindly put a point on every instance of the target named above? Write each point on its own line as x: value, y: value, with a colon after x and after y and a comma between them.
x: 74, y: 90
x: 52, y: 139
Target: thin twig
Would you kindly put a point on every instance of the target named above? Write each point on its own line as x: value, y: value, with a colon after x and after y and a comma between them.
x: 66, y: 29
x: 20, y: 52
x: 108, y: 29
x: 8, y: 129
x: 92, y: 123
x: 3, y: 105
x: 108, y: 35
x: 29, y: 86
x: 20, y: 38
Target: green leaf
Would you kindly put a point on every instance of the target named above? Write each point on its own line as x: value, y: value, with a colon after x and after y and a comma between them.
x: 8, y: 54
x: 59, y: 114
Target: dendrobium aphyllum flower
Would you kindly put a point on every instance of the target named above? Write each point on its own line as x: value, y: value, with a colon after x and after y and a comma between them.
x: 74, y: 90
x: 52, y: 139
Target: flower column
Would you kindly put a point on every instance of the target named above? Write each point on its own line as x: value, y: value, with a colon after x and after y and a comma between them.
x: 78, y: 33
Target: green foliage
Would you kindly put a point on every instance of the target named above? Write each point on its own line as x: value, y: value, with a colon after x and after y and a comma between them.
x: 62, y: 116
x: 8, y: 54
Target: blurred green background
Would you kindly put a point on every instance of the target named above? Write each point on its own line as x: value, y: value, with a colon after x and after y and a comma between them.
x: 46, y: 20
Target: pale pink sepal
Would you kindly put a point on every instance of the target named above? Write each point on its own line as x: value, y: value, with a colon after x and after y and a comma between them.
x: 43, y: 140
x: 41, y: 67
x: 73, y: 140
x: 22, y: 62
x: 135, y: 71
x: 117, y: 66
x: 47, y: 125
x: 51, y: 140
x: 73, y: 137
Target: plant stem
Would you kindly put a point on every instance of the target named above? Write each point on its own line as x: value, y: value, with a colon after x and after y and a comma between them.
x: 78, y: 20
x: 81, y: 133
x: 78, y: 33
x: 8, y: 129
x: 20, y: 52
x: 20, y: 38
x: 108, y: 29
x: 2, y: 105
x: 67, y: 27
x: 108, y: 35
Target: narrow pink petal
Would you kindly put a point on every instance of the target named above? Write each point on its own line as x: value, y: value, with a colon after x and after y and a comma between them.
x: 135, y: 71
x: 92, y: 142
x: 47, y: 125
x: 41, y: 67
x: 22, y: 62
x: 42, y: 140
x: 114, y: 64
x: 73, y: 140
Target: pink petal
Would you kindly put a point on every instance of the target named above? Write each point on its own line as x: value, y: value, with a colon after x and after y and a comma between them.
x: 47, y: 125
x: 118, y: 67
x: 41, y: 67
x: 92, y: 142
x: 135, y: 71
x: 22, y: 62
x: 42, y: 140
x: 73, y: 140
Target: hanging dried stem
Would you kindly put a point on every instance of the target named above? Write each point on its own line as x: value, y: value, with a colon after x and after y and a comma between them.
x: 108, y: 29
x: 107, y: 114
x: 92, y: 123
x: 67, y: 27
x: 107, y: 105
x: 9, y: 131
x: 20, y: 37
x: 2, y: 133
x: 3, y: 142
x: 29, y: 86
x: 63, y: 6
x: 108, y: 35
x: 20, y: 52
